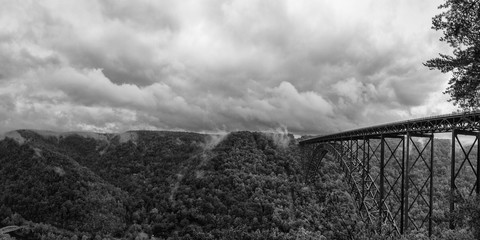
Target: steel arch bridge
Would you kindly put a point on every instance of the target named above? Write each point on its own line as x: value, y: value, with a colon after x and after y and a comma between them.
x: 379, y: 164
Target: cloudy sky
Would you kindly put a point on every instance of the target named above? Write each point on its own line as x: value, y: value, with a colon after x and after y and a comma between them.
x: 313, y: 66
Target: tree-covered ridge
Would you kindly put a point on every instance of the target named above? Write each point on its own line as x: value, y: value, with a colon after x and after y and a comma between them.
x: 162, y: 185
x: 45, y: 186
x: 252, y: 189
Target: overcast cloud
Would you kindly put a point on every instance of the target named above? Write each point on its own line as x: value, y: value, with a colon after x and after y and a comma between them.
x: 210, y: 65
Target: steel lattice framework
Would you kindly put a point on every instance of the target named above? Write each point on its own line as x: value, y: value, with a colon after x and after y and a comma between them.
x: 379, y: 163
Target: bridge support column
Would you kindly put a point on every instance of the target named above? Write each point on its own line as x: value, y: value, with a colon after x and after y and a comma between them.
x: 459, y: 193
x: 391, y: 182
x: 452, y: 180
x: 430, y: 205
x: 382, y: 182
x: 365, y: 169
x: 371, y: 181
x: 381, y: 201
x: 407, y: 175
x: 356, y: 166
x: 418, y: 200
x: 402, y: 192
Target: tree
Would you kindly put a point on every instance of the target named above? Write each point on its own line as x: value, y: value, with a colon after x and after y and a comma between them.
x: 460, y: 24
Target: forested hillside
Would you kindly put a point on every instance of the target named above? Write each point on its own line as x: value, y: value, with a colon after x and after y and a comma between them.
x: 167, y: 185
x: 177, y: 185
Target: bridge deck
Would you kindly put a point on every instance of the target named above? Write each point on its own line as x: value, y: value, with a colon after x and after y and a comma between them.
x: 469, y: 121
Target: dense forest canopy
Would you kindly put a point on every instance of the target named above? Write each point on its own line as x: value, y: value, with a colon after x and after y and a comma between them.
x: 168, y: 185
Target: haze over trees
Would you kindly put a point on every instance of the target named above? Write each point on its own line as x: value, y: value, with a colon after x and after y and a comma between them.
x: 460, y: 24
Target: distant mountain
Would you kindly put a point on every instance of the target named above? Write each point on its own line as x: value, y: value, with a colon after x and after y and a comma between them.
x: 167, y: 185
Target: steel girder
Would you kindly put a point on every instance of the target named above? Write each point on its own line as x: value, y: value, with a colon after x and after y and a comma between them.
x: 443, y: 123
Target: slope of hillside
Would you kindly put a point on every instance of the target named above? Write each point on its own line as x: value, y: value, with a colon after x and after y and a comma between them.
x: 168, y: 185
x: 46, y: 186
x: 250, y: 188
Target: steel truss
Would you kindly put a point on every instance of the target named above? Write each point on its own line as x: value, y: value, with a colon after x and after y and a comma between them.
x: 443, y: 123
x: 458, y: 190
x: 381, y: 165
x: 419, y: 189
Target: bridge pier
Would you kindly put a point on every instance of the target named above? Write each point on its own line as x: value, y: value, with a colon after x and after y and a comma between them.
x: 391, y: 181
x: 381, y: 201
x: 365, y: 167
x: 456, y: 193
x: 417, y: 183
x: 371, y: 172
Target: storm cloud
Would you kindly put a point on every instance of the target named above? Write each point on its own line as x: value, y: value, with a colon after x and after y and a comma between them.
x: 308, y: 66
